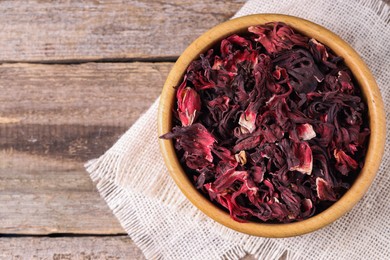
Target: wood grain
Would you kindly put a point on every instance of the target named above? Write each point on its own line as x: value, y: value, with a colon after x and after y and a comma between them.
x: 39, y: 195
x: 112, y: 94
x: 61, y: 248
x: 73, y: 247
x: 53, y: 119
x: 68, y: 31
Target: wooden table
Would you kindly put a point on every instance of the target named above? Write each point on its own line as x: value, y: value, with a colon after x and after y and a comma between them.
x: 74, y: 75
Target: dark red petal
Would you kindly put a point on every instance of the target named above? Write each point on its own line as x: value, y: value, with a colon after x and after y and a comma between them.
x: 345, y: 81
x: 305, y: 132
x: 248, y: 119
x: 257, y: 173
x: 324, y: 190
x: 345, y: 163
x: 247, y: 143
x: 196, y: 142
x: 303, y: 152
x: 188, y: 103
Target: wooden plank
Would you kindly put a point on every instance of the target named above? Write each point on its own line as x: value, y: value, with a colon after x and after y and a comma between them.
x: 112, y: 94
x: 61, y: 31
x: 52, y: 119
x: 40, y: 195
x: 83, y: 248
x: 70, y: 141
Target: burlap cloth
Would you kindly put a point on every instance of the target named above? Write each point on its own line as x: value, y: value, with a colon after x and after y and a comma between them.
x: 132, y: 177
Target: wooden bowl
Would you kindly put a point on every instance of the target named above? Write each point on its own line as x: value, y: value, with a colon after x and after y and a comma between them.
x: 371, y: 95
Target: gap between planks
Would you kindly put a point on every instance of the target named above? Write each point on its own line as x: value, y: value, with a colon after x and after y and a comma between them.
x: 57, y: 235
x: 156, y: 59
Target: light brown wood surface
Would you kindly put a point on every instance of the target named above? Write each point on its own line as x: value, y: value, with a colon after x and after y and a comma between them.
x: 48, y: 196
x: 65, y: 248
x: 63, y: 31
x: 90, y: 94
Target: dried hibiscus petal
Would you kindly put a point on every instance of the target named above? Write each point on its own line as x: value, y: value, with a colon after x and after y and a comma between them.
x: 241, y: 157
x: 344, y: 162
x: 278, y: 37
x: 188, y: 105
x: 303, y: 71
x: 196, y: 142
x: 304, y: 154
x: 306, y: 132
x: 270, y: 125
x: 324, y: 190
x: 247, y: 119
x: 321, y: 54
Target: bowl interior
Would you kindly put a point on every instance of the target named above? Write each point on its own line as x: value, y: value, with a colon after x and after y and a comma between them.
x: 370, y: 93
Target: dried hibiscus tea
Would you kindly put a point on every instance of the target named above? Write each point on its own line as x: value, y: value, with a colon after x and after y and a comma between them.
x: 270, y: 125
